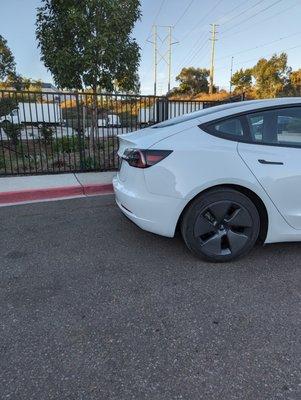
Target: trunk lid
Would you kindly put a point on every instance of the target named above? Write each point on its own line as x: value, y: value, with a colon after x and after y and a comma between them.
x: 143, y: 138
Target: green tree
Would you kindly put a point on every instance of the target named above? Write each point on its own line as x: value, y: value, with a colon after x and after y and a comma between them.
x: 7, y: 105
x: 272, y: 76
x: 242, y: 80
x: 193, y: 80
x: 19, y: 82
x: 295, y: 83
x: 7, y: 61
x: 88, y: 43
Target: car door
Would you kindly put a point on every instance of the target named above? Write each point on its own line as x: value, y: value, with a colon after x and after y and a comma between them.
x: 274, y: 157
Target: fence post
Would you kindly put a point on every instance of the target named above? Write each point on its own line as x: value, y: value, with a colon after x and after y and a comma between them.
x: 161, y: 109
x: 79, y: 132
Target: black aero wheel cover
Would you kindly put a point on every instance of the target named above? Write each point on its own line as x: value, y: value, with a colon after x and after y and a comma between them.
x: 220, y: 225
x: 223, y: 228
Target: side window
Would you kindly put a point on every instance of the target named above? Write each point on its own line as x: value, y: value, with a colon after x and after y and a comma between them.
x: 280, y: 126
x: 255, y: 124
x: 228, y: 127
x: 289, y: 127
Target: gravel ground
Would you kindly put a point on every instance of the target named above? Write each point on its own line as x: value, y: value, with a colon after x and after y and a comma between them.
x: 92, y: 307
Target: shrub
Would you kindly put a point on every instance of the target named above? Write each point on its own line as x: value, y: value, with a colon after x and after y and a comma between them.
x: 13, y: 132
x: 46, y: 133
x: 2, y: 162
x: 67, y: 144
x: 7, y: 105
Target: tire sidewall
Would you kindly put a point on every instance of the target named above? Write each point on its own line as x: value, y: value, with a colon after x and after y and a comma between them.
x: 203, y: 201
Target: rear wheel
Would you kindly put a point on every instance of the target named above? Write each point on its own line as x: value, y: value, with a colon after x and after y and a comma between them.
x: 221, y: 225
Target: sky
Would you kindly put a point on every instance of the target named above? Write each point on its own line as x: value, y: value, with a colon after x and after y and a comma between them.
x: 247, y: 30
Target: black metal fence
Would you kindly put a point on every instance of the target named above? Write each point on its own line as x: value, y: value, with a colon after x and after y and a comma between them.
x: 55, y: 132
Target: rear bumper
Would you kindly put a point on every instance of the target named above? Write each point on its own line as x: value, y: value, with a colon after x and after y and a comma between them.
x: 153, y: 213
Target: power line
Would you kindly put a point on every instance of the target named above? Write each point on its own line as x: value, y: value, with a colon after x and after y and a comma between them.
x: 219, y: 20
x: 166, y: 57
x: 194, y: 52
x: 154, y: 21
x: 241, y: 13
x: 256, y: 58
x: 183, y: 13
x: 201, y: 20
x: 159, y: 10
x: 254, y: 15
x: 261, y: 21
x: 150, y: 31
x: 195, y: 49
x: 198, y: 51
x: 259, y: 46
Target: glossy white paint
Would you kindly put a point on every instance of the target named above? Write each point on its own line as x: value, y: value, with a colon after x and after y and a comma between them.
x: 141, y: 206
x: 281, y: 182
x: 154, y: 198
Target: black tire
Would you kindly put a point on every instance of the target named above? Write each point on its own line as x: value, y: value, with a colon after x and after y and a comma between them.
x: 220, y: 225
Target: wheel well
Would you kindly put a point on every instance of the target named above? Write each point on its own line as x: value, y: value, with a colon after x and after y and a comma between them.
x: 261, y: 208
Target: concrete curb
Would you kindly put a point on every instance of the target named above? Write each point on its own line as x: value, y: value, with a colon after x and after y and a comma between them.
x: 52, y: 193
x: 91, y: 190
x: 14, y: 191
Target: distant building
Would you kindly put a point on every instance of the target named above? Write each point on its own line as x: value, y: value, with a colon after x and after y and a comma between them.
x: 48, y: 87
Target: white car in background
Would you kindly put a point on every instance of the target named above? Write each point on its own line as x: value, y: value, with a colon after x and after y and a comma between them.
x: 227, y: 176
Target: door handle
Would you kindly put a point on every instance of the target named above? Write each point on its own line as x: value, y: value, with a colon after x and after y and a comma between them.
x: 270, y: 162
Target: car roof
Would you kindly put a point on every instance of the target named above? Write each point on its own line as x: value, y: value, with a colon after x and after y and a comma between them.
x: 248, y: 106
x: 229, y: 109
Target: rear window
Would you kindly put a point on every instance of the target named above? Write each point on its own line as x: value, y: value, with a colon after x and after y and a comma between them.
x: 230, y: 127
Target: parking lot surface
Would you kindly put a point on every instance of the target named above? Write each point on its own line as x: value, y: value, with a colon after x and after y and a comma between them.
x: 92, y: 307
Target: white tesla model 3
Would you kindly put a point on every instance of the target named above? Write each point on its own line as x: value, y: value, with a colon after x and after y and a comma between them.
x: 227, y: 176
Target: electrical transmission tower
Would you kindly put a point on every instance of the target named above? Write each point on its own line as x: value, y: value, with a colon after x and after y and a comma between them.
x: 213, y: 41
x: 165, y: 56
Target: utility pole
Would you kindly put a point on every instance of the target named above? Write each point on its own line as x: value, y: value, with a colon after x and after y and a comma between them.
x: 169, y: 56
x: 213, y: 40
x: 170, y: 44
x: 155, y: 43
x: 231, y: 73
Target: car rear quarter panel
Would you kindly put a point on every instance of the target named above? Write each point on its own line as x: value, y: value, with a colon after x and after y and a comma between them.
x: 199, y: 162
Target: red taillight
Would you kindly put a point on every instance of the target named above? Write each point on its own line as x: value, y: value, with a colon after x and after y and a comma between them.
x: 144, y: 158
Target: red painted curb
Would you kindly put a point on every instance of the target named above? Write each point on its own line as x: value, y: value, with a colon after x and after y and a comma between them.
x: 98, y: 189
x: 53, y: 193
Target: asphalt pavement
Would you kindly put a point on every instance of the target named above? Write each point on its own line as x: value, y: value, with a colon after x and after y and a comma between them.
x: 92, y: 307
